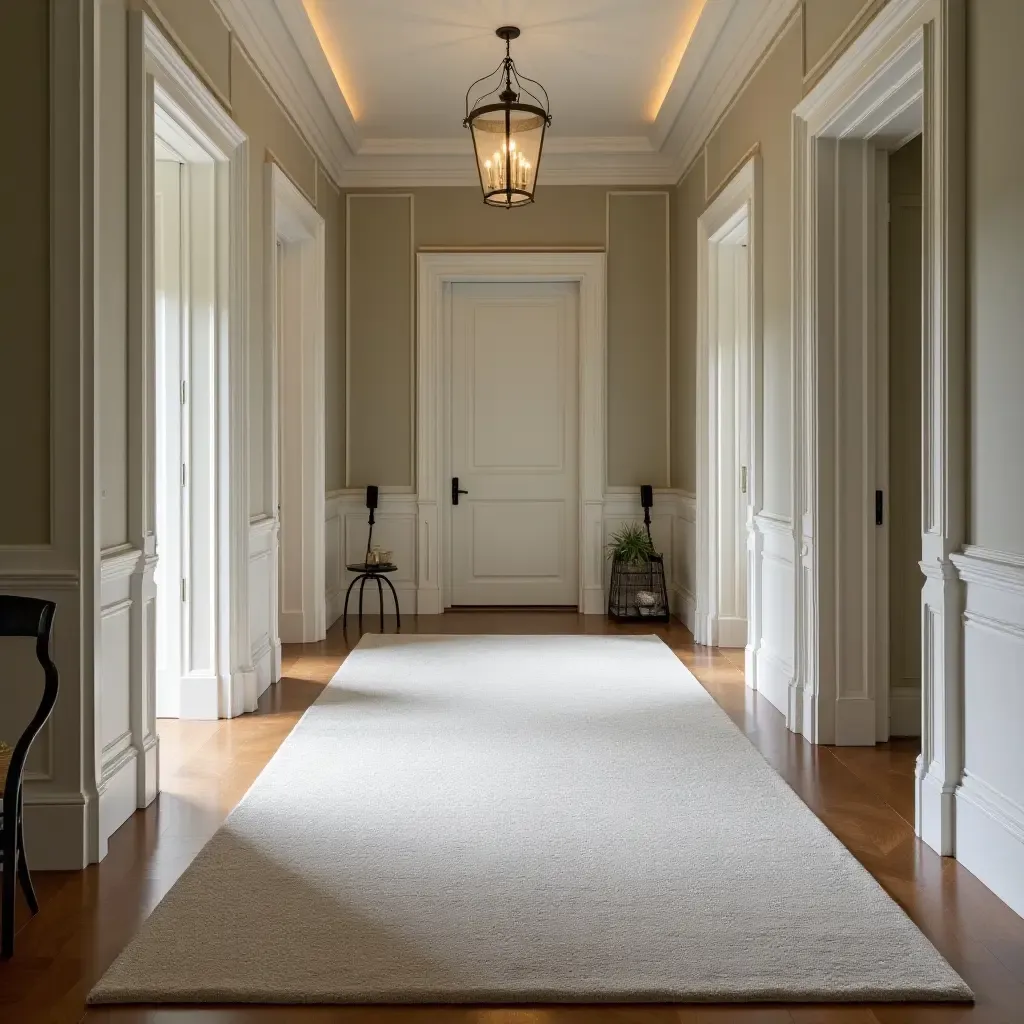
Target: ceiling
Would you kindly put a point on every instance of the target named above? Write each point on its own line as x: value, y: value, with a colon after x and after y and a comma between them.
x: 380, y: 85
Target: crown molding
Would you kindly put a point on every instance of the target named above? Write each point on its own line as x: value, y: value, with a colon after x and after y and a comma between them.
x: 738, y: 51
x: 722, y: 52
x: 272, y: 48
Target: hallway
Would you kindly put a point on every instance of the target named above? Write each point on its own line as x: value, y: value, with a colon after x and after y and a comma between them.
x: 864, y: 795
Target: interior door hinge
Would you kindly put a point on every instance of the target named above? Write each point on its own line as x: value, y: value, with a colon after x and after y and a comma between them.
x: 184, y: 476
x: 184, y: 392
x: 879, y: 508
x: 184, y: 590
x: 743, y: 479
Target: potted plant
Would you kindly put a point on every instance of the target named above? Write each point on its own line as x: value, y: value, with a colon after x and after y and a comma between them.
x: 637, y: 589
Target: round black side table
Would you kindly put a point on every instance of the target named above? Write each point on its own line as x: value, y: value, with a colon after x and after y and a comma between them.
x: 371, y: 572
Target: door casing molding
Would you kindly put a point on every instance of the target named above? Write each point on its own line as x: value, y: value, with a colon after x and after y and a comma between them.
x: 299, y: 608
x: 160, y: 79
x: 738, y: 201
x: 913, y: 51
x: 436, y: 274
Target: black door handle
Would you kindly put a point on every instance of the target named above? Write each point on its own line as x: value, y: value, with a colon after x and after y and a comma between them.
x: 455, y: 490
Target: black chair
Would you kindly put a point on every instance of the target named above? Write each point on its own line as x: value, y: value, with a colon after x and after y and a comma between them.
x: 22, y: 616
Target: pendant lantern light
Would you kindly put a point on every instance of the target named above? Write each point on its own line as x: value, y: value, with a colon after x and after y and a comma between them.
x: 507, y: 122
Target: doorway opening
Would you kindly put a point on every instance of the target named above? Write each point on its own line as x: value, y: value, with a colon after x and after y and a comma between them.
x: 900, y: 386
x: 727, y: 427
x: 185, y: 376
x: 294, y: 287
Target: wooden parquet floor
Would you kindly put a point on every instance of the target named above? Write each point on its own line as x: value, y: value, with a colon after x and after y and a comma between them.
x: 864, y: 795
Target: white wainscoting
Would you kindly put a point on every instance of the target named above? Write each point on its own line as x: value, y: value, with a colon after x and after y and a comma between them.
x: 772, y: 651
x: 395, y: 530
x: 673, y: 527
x: 990, y: 800
x: 263, y: 618
x: 118, y: 752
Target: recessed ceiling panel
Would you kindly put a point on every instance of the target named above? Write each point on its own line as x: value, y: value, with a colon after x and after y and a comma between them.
x: 404, y: 65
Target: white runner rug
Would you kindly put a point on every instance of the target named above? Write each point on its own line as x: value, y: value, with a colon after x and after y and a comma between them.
x: 532, y: 818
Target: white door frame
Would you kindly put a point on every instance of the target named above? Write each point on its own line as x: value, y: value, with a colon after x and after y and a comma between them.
x: 436, y: 274
x: 913, y: 51
x: 737, y: 202
x: 222, y: 682
x: 297, y: 496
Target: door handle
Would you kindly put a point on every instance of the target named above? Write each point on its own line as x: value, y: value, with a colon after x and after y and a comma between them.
x: 456, y: 491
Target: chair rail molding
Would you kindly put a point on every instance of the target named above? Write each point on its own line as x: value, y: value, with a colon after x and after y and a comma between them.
x: 913, y: 51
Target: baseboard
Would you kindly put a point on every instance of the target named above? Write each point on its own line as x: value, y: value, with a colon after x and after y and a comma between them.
x: 119, y: 793
x: 905, y: 711
x: 428, y: 601
x: 148, y: 771
x: 990, y: 839
x: 293, y: 629
x: 263, y: 666
x: 200, y: 697
x: 856, y: 725
x: 774, y: 679
x: 56, y: 831
x: 935, y: 809
x: 595, y: 601
x: 730, y: 632
x: 684, y: 606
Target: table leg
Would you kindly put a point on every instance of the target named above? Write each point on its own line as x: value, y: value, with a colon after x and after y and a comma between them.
x: 380, y: 594
x: 344, y: 614
x: 362, y: 583
x: 394, y: 594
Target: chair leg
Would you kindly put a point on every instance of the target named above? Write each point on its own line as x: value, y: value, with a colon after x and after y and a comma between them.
x: 7, y: 897
x: 24, y: 876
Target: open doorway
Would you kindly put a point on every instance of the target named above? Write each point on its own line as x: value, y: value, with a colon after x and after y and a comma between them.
x: 728, y: 399
x: 905, y: 441
x: 294, y: 288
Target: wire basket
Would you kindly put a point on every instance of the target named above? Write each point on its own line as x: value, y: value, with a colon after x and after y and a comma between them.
x: 638, y: 591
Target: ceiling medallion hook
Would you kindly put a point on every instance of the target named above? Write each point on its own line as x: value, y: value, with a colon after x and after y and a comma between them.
x: 507, y: 122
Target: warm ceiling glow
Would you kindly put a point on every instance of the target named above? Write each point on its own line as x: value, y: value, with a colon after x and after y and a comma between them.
x: 323, y: 33
x: 670, y: 65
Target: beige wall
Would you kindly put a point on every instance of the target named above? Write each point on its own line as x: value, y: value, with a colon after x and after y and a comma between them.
x: 562, y: 217
x: 904, y: 497
x: 638, y: 294
x: 761, y: 117
x: 828, y: 27
x: 995, y: 225
x: 24, y: 274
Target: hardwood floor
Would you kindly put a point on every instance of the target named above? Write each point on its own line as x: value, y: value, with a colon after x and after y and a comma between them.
x: 864, y: 795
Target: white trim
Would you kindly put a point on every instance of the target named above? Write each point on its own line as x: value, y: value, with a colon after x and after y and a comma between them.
x: 297, y: 414
x: 724, y: 48
x: 907, y: 38
x: 160, y: 78
x: 437, y: 272
x: 349, y: 197
x: 737, y: 203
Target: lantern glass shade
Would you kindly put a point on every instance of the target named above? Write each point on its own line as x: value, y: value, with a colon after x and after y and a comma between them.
x: 507, y: 119
x: 508, y: 141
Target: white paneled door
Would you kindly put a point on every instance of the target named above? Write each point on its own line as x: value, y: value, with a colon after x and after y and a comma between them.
x: 513, y: 444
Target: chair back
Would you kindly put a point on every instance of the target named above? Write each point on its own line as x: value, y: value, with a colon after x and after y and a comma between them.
x: 29, y: 617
